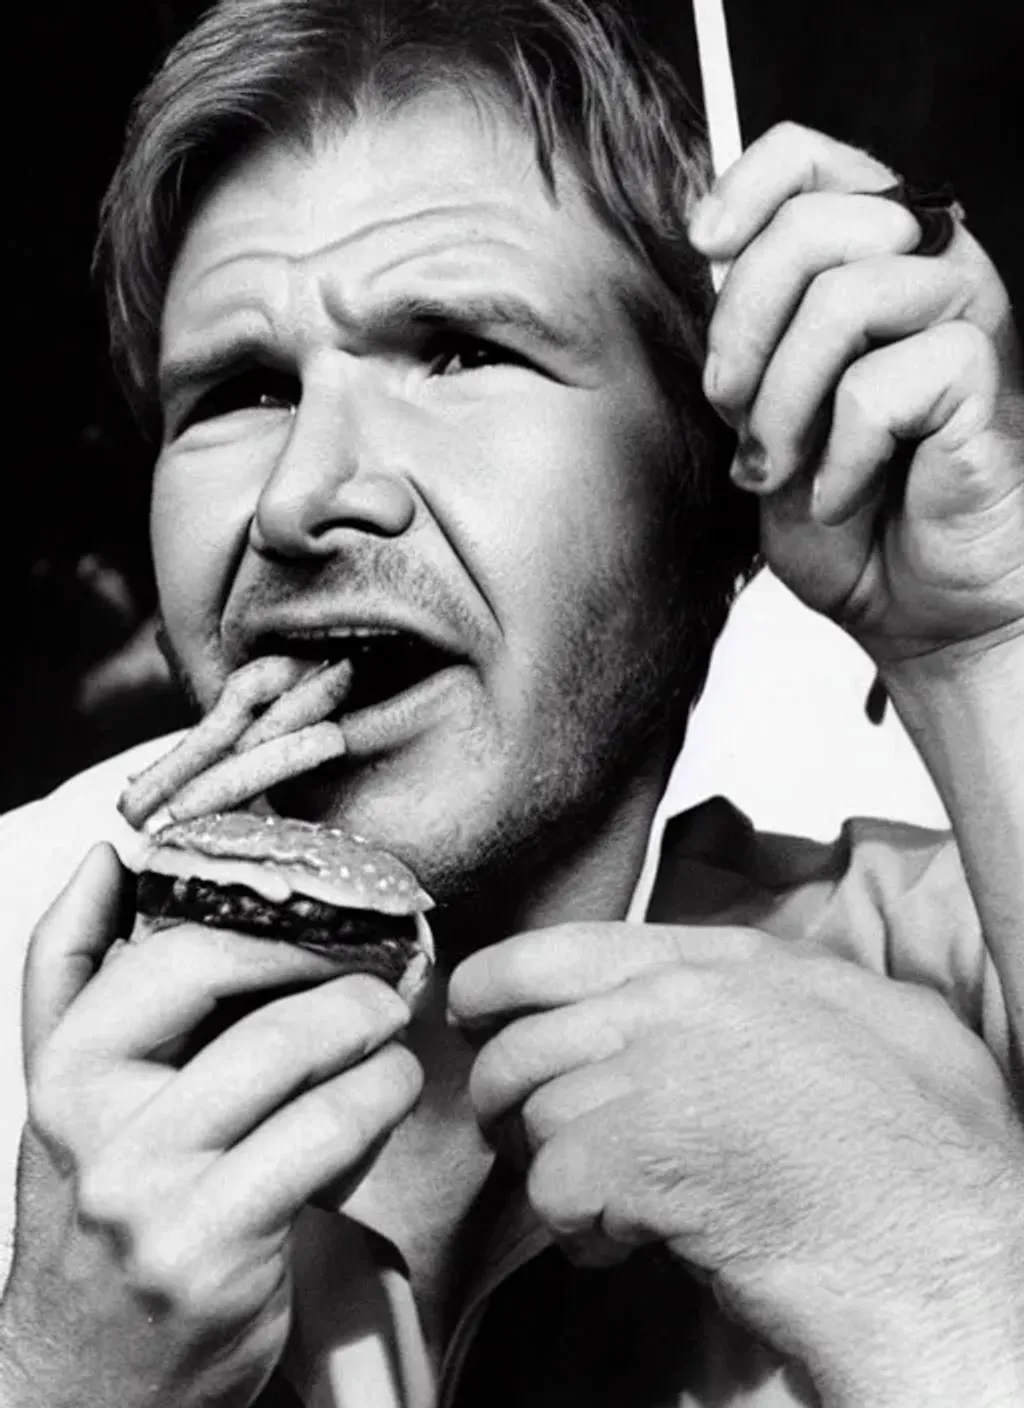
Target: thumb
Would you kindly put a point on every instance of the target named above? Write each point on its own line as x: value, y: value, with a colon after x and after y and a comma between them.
x: 69, y: 943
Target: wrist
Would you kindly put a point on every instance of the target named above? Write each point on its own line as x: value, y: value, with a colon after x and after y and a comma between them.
x: 16, y: 1389
x: 962, y: 708
x: 966, y: 669
x: 932, y: 1322
x: 894, y: 1355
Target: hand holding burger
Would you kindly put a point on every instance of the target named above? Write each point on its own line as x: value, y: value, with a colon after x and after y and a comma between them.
x: 161, y: 1175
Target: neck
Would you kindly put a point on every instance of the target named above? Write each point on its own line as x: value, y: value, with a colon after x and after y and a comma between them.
x: 587, y: 872
x: 429, y: 1174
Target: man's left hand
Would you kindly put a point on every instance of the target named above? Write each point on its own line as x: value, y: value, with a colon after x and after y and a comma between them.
x: 833, y: 1149
x: 877, y: 395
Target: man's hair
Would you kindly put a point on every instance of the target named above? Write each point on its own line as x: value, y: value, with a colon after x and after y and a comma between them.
x: 590, y: 91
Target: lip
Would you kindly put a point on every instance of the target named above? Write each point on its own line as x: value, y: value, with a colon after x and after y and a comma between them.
x: 264, y: 631
x: 386, y: 727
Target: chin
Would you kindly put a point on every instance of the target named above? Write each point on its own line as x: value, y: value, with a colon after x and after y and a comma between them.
x: 438, y: 829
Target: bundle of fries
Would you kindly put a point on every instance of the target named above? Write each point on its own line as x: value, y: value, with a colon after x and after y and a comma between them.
x: 270, y: 723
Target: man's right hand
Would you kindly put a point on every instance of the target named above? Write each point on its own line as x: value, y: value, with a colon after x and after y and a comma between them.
x: 157, y: 1196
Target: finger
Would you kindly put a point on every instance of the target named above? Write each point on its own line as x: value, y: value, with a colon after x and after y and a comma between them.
x: 809, y: 234
x: 244, y: 693
x: 324, y: 1137
x: 550, y: 968
x: 941, y: 383
x: 566, y: 1186
x: 534, y: 1050
x: 844, y: 313
x: 242, y: 776
x: 161, y: 987
x: 269, y: 1057
x: 554, y: 1105
x: 69, y: 943
x: 785, y: 161
x: 586, y: 1186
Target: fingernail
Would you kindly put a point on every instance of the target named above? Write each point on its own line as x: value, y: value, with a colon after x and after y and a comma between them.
x: 711, y: 222
x: 751, y: 467
x: 716, y: 389
x: 161, y: 817
x: 815, y: 505
x: 712, y: 375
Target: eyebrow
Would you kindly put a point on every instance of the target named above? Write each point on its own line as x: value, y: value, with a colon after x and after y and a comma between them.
x: 222, y: 357
x: 386, y: 320
x: 486, y: 310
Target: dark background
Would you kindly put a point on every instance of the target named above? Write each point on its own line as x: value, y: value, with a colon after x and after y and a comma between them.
x: 935, y: 90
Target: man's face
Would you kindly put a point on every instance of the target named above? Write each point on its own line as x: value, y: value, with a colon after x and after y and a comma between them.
x: 408, y: 421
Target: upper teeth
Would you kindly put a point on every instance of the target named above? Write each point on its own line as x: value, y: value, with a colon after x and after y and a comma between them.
x: 346, y: 633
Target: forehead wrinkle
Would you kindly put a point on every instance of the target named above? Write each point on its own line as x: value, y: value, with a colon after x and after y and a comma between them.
x: 370, y: 230
x: 460, y: 278
x: 286, y: 297
x: 266, y: 303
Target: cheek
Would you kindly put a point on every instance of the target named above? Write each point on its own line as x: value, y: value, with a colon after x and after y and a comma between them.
x: 564, y: 494
x: 199, y: 518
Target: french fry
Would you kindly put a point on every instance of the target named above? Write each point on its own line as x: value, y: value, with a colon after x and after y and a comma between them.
x: 307, y: 702
x: 242, y: 776
x: 247, y: 691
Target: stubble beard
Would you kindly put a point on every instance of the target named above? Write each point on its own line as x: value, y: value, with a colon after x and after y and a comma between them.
x: 610, y: 705
x: 614, y: 713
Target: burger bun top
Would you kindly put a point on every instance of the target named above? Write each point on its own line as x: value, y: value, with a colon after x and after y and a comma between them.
x: 323, y: 862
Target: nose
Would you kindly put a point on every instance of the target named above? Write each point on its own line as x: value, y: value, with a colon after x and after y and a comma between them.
x: 331, y: 475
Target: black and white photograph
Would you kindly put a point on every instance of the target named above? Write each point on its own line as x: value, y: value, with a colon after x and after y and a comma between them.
x: 512, y: 814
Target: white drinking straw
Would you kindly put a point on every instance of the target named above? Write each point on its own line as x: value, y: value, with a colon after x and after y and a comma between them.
x: 720, y: 110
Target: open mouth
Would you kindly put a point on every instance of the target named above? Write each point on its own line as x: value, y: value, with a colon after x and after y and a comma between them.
x: 385, y: 662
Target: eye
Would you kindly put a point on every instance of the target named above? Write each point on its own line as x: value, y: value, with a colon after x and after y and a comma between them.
x: 450, y: 353
x: 259, y: 389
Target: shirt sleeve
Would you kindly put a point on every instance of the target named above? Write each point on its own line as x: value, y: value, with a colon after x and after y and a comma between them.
x: 895, y: 899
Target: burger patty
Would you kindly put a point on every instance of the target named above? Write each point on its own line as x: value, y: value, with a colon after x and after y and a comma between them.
x: 381, y: 944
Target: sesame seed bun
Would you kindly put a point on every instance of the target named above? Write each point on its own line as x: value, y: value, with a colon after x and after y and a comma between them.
x: 275, y: 877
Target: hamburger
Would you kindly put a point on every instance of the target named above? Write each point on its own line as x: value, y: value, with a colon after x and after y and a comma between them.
x: 273, y: 877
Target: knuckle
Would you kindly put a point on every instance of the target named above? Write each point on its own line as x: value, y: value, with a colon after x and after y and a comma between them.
x: 541, y: 1118
x: 273, y: 1037
x: 169, y: 952
x: 52, y: 1096
x: 104, y: 1195
x: 517, y: 964
x: 733, y: 942
x: 796, y: 216
x: 356, y: 1114
x: 829, y: 300
x: 496, y: 1069
x: 717, y: 992
x: 371, y: 1013
x: 789, y: 133
x: 904, y: 230
x: 177, y: 1269
x: 546, y: 1190
x: 553, y: 1186
x: 161, y: 1270
x: 859, y: 397
x: 484, y: 1084
x: 379, y: 1005
x: 929, y: 1002
x: 800, y: 146
x: 744, y: 943
x: 973, y: 349
x: 403, y: 1074
x: 347, y: 1121
x: 669, y: 991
